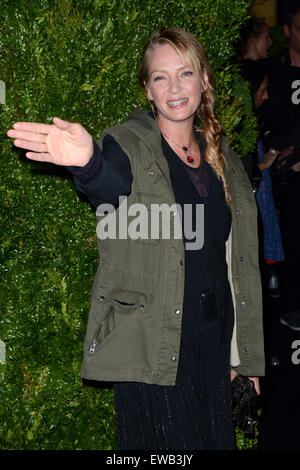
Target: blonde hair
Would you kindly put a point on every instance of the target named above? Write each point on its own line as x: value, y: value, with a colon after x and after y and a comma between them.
x: 191, y: 53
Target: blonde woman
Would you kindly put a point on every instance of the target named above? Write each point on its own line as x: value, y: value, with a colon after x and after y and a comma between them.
x: 255, y: 40
x: 172, y: 319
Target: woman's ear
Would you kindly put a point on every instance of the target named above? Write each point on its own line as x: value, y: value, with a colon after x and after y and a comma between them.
x: 286, y: 30
x: 204, y: 81
x: 148, y: 91
x: 251, y: 45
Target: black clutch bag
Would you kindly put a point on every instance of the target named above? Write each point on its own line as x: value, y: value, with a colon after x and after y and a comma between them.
x: 244, y: 402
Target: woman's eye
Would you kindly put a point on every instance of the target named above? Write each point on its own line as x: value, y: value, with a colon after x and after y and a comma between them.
x: 156, y: 79
x: 187, y: 73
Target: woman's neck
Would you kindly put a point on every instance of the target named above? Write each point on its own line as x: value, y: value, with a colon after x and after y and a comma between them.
x: 181, y: 138
x: 295, y: 57
x: 182, y: 132
x: 251, y: 55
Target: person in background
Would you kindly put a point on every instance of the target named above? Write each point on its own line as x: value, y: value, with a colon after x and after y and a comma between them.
x: 270, y: 242
x: 284, y: 126
x: 255, y: 40
x: 254, y: 45
x: 257, y: 75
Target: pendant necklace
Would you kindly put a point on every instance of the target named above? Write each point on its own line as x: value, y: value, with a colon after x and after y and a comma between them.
x: 189, y: 158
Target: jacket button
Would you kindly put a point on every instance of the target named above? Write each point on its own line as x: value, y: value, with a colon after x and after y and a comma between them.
x: 150, y: 172
x: 245, y: 349
x: 177, y: 311
x: 238, y: 212
x: 141, y: 308
x: 241, y: 259
x: 101, y: 298
x: 173, y: 359
x: 243, y: 303
x: 233, y: 170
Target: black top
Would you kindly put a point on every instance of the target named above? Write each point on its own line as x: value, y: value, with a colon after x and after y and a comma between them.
x: 203, y: 267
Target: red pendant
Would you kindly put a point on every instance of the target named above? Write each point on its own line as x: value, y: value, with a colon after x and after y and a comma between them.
x: 190, y: 159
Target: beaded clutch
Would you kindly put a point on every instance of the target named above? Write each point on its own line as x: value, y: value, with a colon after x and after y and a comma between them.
x: 244, y: 401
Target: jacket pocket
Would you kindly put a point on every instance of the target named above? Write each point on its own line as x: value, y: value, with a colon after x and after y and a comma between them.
x: 105, y: 327
x: 115, y: 306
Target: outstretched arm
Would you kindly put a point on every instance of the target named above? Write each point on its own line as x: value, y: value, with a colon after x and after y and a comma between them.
x: 61, y: 143
x: 102, y: 178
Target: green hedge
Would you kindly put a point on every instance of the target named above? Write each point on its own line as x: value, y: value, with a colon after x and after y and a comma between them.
x: 77, y: 60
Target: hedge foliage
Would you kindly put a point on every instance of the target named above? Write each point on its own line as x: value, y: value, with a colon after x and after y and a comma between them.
x: 77, y: 60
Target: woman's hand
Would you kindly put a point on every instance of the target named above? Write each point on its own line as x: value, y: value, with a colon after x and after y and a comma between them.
x: 268, y: 158
x: 286, y: 153
x: 61, y: 143
x: 233, y: 374
x: 256, y: 384
x: 296, y: 167
x: 283, y: 154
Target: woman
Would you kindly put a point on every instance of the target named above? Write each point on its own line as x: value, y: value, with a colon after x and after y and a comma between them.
x: 257, y: 76
x: 254, y: 46
x: 161, y: 319
x: 255, y: 40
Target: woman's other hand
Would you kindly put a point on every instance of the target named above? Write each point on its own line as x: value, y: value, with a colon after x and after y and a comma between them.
x: 233, y: 374
x: 61, y: 143
x: 283, y: 154
x: 268, y: 158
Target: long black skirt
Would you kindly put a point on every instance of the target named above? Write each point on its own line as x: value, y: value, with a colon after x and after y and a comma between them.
x: 194, y: 414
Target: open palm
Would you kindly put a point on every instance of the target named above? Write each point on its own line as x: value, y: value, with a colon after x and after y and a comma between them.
x: 61, y: 143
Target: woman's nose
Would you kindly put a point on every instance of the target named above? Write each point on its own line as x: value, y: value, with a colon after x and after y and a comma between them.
x: 174, y: 85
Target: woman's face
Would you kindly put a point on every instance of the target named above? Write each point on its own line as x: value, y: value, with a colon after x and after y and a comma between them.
x: 262, y: 93
x: 263, y: 43
x: 174, y: 87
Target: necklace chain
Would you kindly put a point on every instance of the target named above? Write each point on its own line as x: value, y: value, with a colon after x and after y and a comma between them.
x: 185, y: 149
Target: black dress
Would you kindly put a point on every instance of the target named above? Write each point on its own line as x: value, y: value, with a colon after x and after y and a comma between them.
x: 195, y: 414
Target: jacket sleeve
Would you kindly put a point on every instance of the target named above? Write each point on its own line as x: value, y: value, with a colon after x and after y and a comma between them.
x: 107, y: 175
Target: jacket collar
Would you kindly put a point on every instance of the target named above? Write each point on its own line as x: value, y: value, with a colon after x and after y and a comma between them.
x: 145, y: 127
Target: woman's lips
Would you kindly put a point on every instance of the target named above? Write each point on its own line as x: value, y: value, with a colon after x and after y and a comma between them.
x: 177, y: 103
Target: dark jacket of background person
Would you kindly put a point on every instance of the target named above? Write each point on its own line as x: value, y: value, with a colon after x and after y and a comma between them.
x: 282, y: 114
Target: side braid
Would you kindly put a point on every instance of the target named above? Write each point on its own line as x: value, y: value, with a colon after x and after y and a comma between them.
x: 212, y: 132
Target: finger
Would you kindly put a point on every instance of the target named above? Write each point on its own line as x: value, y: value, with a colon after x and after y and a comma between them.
x: 33, y: 127
x: 35, y: 146
x: 255, y: 380
x: 28, y: 136
x: 233, y: 374
x: 73, y: 128
x: 39, y: 157
x: 66, y: 125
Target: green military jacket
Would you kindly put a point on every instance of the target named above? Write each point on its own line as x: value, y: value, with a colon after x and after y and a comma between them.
x: 134, y: 325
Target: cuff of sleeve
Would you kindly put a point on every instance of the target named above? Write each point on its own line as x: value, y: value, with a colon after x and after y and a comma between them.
x: 91, y: 169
